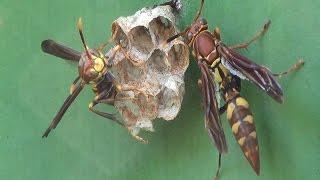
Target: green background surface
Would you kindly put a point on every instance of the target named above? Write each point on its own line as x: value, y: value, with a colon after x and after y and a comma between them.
x: 85, y: 146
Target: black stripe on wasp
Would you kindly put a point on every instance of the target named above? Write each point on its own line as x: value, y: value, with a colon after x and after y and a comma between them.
x: 93, y: 67
x: 222, y: 69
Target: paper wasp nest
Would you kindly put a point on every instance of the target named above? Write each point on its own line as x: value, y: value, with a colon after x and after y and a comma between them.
x: 155, y: 71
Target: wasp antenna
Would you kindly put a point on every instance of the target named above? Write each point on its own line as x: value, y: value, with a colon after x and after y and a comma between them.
x: 178, y: 35
x: 175, y: 4
x: 80, y: 24
x: 199, y: 11
x: 80, y: 28
x: 173, y: 37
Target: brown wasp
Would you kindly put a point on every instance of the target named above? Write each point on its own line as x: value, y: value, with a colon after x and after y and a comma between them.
x: 221, y: 70
x: 93, y: 69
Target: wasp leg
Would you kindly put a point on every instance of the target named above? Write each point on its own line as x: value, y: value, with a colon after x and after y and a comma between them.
x: 113, y: 117
x: 223, y: 108
x: 219, y: 167
x: 73, y: 85
x: 119, y: 47
x: 293, y: 68
x: 200, y: 84
x: 112, y: 55
x: 221, y: 111
x: 110, y: 116
x: 115, y: 49
x: 98, y: 100
x: 128, y: 57
x: 104, y: 45
x: 245, y: 45
x: 140, y: 139
x: 127, y: 87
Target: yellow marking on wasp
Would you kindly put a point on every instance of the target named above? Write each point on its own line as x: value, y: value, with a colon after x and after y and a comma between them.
x: 235, y: 127
x: 98, y: 64
x: 119, y: 87
x: 116, y: 48
x: 80, y: 24
x: 253, y: 134
x: 241, y: 141
x: 193, y: 54
x: 217, y: 76
x: 215, y: 62
x: 72, y: 88
x: 247, y: 154
x: 248, y: 119
x: 230, y: 110
x: 96, y: 98
x: 225, y: 71
x: 95, y: 88
x: 226, y: 95
x: 257, y: 148
x: 90, y: 105
x: 242, y: 102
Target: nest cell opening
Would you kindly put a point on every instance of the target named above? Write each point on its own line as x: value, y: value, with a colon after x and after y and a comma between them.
x: 140, y: 40
x: 162, y: 28
x: 178, y: 57
x: 157, y: 61
x: 118, y: 35
x: 129, y: 72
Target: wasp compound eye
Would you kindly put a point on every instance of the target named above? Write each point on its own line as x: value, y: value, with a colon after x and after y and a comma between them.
x: 203, y: 21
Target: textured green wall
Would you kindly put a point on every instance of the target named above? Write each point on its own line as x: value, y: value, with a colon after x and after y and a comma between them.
x: 85, y: 146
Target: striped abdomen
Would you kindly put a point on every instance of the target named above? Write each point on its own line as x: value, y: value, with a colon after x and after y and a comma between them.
x: 243, y: 129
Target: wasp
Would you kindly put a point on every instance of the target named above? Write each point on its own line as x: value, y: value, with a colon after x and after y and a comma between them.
x: 94, y: 69
x: 222, y: 69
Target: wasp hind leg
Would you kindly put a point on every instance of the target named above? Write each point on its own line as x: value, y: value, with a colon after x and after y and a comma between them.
x: 293, y: 68
x: 107, y: 115
x: 136, y: 137
x: 245, y: 45
x: 219, y: 167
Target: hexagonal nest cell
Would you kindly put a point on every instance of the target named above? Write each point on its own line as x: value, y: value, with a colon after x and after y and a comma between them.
x: 152, y: 68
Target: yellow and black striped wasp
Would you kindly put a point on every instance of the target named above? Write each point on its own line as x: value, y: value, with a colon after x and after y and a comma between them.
x: 222, y: 69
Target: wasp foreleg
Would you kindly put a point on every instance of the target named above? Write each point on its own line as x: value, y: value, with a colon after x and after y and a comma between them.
x: 245, y: 45
x: 293, y: 68
x: 223, y: 108
x: 138, y: 138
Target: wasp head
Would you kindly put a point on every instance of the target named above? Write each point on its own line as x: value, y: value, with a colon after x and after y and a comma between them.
x: 198, y: 26
x: 92, y: 65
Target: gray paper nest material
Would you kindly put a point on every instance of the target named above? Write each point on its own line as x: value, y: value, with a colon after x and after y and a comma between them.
x: 156, y: 69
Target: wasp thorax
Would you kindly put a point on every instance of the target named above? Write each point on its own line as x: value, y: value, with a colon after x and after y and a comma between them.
x: 91, y: 66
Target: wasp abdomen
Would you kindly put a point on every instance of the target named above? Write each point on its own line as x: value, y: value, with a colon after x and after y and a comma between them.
x: 243, y: 129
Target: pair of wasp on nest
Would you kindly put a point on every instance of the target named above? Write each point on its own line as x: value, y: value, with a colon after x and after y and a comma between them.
x: 143, y: 75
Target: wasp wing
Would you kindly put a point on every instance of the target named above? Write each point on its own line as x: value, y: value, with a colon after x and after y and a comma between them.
x: 246, y: 69
x: 212, y: 119
x: 61, y: 51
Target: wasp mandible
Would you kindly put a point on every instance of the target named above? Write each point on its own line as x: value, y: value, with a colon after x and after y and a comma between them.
x: 222, y: 69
